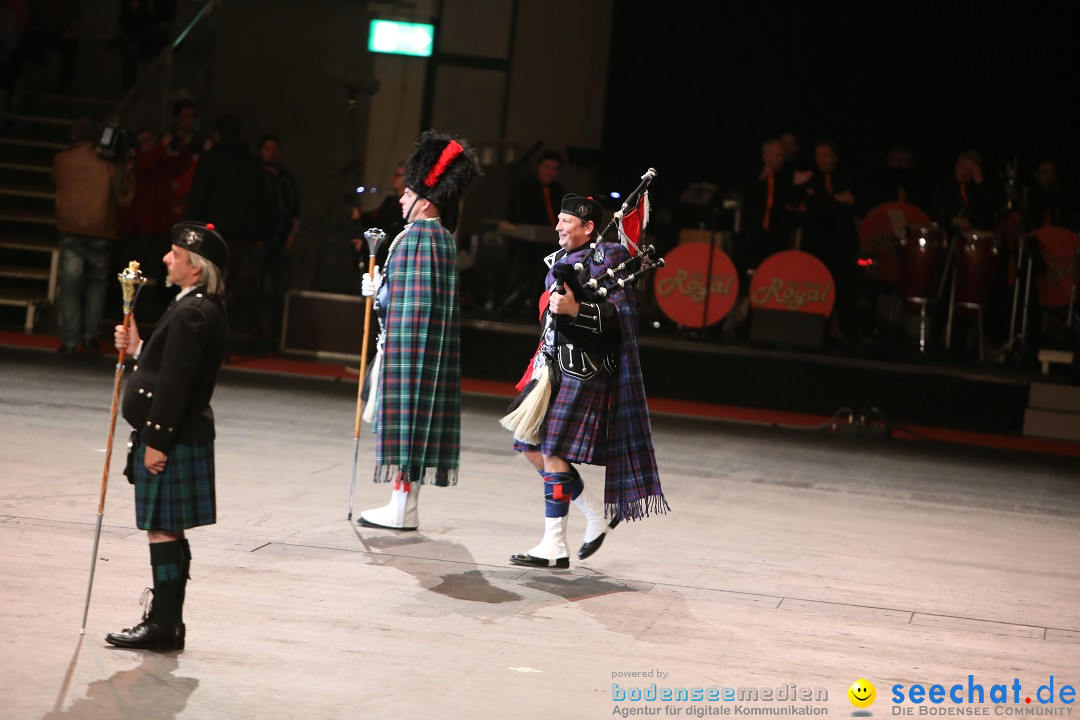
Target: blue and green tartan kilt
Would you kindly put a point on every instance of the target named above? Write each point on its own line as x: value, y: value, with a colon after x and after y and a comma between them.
x: 182, y: 496
x: 576, y: 425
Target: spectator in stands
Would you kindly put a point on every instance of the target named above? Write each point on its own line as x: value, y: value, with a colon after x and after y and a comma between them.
x: 145, y: 223
x: 387, y: 217
x: 144, y: 31
x: 14, y: 16
x: 184, y: 136
x: 51, y: 28
x: 89, y: 195
x: 229, y: 192
x: 272, y: 260
x: 186, y: 142
x: 534, y: 200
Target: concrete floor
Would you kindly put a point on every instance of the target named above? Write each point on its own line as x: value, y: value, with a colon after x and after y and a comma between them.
x: 790, y: 557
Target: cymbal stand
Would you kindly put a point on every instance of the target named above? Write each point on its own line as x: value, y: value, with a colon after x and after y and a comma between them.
x: 1017, y: 202
x: 1073, y: 292
x: 949, y: 267
x: 1026, y: 260
x: 1016, y: 343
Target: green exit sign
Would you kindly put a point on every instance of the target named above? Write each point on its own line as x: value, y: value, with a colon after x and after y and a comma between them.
x: 401, y: 38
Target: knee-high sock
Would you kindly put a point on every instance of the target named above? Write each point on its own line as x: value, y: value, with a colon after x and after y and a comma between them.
x: 559, y: 489
x: 167, y: 560
x: 576, y: 487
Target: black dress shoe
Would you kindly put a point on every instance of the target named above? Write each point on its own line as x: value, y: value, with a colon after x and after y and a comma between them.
x: 533, y: 561
x: 592, y: 546
x: 149, y: 636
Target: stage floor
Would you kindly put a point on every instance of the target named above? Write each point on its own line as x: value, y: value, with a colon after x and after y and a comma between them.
x: 790, y: 558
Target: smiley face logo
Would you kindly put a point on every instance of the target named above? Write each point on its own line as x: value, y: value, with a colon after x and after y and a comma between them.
x: 862, y: 693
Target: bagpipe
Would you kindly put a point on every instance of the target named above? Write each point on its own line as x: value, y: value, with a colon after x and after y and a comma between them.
x: 630, y: 221
x: 526, y: 414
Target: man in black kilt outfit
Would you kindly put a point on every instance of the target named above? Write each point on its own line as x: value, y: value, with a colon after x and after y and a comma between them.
x: 167, y: 402
x: 594, y: 410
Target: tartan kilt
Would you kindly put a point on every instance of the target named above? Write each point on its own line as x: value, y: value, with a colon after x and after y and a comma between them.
x: 576, y: 425
x: 182, y: 496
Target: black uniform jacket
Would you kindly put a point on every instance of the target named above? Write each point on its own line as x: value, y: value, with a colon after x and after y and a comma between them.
x: 167, y: 400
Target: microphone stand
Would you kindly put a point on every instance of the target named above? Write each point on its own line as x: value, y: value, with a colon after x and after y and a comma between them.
x: 713, y: 213
x: 347, y: 177
x: 1016, y: 343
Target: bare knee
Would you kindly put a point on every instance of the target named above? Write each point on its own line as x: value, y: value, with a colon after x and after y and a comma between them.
x: 534, y: 457
x: 553, y: 463
x: 158, y: 536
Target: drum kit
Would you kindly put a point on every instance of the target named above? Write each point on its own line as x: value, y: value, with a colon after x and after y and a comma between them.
x: 920, y: 261
x: 936, y: 274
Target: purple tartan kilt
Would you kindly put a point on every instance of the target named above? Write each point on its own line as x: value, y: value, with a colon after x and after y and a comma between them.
x: 182, y: 496
x: 575, y: 427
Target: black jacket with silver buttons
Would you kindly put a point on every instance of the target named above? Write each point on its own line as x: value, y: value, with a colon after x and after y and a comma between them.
x: 167, y: 400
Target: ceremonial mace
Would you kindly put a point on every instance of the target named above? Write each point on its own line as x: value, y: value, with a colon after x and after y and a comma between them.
x: 131, y: 281
x: 374, y: 236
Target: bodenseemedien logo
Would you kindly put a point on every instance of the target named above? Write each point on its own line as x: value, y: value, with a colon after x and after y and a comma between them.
x: 862, y: 695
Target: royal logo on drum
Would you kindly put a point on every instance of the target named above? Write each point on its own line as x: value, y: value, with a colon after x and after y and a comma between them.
x: 793, y: 281
x: 692, y: 284
x: 793, y: 295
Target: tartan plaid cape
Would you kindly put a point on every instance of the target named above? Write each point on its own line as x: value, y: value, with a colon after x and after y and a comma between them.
x: 632, y: 488
x: 418, y: 420
x: 632, y: 480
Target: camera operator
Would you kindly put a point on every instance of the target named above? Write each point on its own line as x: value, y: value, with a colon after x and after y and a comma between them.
x: 118, y: 145
x: 90, y: 191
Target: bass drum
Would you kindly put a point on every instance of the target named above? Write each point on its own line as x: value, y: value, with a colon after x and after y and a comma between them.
x: 691, y: 291
x: 880, y: 233
x: 1058, y: 246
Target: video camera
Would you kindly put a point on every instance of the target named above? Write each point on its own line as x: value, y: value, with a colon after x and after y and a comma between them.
x: 115, y: 142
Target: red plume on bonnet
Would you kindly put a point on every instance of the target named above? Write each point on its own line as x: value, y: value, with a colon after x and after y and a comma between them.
x: 440, y: 169
x: 451, y: 151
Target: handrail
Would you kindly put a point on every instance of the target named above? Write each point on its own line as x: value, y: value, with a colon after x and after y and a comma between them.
x: 203, y: 13
x: 163, y: 58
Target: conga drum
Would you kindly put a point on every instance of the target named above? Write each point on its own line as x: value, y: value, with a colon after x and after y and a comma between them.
x: 975, y: 278
x: 881, y: 232
x: 922, y: 261
x: 976, y: 267
x: 1058, y: 246
x: 923, y: 249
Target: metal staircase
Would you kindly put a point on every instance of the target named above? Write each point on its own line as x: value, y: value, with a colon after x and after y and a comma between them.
x: 29, y: 252
x: 38, y: 125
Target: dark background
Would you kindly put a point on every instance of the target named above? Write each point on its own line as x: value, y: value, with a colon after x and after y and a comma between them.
x: 695, y: 87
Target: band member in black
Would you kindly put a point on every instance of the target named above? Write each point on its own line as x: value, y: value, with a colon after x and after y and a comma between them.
x: 167, y: 403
